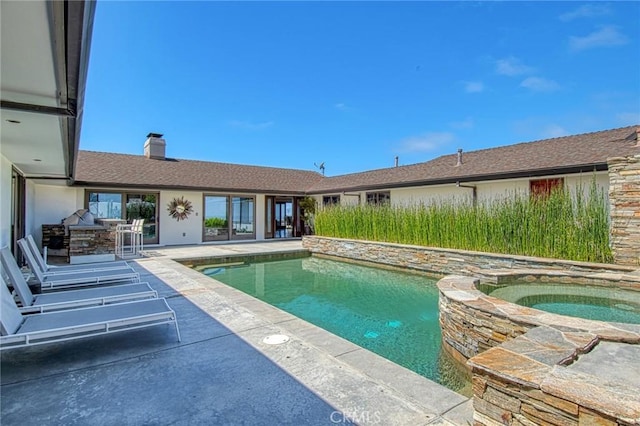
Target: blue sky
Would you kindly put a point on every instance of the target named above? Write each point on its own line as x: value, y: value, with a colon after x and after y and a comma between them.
x: 354, y: 84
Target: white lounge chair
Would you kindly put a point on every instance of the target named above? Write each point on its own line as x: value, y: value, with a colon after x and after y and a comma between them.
x: 20, y: 330
x: 78, y: 279
x: 32, y: 260
x: 51, y: 269
x: 55, y: 301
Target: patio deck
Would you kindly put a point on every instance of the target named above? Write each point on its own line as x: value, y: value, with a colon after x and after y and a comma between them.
x: 221, y: 372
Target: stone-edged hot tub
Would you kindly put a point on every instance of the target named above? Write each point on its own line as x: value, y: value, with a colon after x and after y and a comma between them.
x: 528, y: 366
x: 534, y: 366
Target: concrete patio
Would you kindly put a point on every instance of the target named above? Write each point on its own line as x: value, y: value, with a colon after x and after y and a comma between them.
x: 221, y: 372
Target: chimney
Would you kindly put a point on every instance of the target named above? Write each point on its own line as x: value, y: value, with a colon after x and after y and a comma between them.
x: 154, y: 146
x: 397, y: 158
x: 459, y: 157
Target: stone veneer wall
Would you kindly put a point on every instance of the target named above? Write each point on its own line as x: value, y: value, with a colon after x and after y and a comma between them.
x: 624, y: 199
x: 530, y: 381
x: 50, y: 232
x: 519, y: 358
x: 473, y: 322
x: 91, y: 240
x: 449, y: 261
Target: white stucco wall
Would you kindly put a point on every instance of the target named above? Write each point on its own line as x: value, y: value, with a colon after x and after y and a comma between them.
x: 5, y: 201
x: 260, y: 216
x: 50, y: 204
x: 486, y: 190
x: 188, y: 231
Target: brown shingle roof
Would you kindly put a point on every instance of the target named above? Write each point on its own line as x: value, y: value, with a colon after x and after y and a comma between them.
x: 108, y: 169
x: 570, y: 153
x: 559, y: 155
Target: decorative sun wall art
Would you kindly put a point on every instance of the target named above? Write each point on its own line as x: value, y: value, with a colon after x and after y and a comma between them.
x: 179, y: 208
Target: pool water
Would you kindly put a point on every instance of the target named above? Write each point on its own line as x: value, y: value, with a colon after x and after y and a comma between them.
x: 590, y: 302
x: 391, y: 313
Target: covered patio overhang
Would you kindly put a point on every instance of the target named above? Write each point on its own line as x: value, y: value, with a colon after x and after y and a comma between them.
x: 45, y: 55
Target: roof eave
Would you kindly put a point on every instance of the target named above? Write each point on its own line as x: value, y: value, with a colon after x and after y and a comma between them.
x: 72, y: 48
x: 112, y: 185
x: 595, y: 167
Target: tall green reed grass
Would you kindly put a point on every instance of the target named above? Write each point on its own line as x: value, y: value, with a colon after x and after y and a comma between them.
x: 564, y: 225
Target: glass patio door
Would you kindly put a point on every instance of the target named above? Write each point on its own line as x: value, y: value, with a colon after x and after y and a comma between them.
x: 127, y: 206
x: 216, y: 218
x: 144, y: 206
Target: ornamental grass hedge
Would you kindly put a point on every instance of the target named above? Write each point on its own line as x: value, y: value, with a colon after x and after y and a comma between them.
x: 563, y: 225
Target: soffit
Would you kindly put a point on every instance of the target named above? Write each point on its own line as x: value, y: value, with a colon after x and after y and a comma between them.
x: 28, y: 76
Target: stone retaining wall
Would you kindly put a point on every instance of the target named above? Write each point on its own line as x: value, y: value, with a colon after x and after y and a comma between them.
x: 488, y: 266
x: 624, y: 199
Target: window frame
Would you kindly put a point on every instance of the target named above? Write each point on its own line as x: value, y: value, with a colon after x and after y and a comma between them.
x: 542, y: 188
x: 331, y: 200
x: 231, y: 234
x: 378, y: 198
x: 123, y: 207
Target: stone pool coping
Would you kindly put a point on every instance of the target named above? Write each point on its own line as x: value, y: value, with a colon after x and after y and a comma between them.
x: 527, y: 375
x: 349, y: 377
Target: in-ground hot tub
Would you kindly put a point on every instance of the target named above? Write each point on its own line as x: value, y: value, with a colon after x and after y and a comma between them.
x: 602, y: 303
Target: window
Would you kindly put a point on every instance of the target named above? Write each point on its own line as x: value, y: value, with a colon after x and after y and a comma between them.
x: 242, y: 213
x: 105, y: 205
x: 127, y: 206
x: 330, y: 200
x: 542, y: 188
x: 216, y: 217
x: 378, y: 198
x: 228, y: 218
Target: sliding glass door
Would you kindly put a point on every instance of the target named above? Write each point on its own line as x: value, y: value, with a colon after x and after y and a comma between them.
x: 127, y: 206
x: 228, y: 218
x: 216, y: 218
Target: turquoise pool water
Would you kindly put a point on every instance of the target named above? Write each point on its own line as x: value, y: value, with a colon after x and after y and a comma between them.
x: 590, y: 302
x: 393, y: 314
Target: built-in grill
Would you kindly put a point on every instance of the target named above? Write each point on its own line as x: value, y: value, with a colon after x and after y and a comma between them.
x: 81, y: 238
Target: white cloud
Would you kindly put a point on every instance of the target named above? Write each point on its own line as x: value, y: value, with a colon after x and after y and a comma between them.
x: 467, y: 123
x: 341, y: 106
x: 251, y: 126
x: 553, y: 131
x: 426, y: 142
x: 585, y: 11
x: 512, y: 66
x: 539, y: 84
x: 473, y: 86
x: 604, y: 37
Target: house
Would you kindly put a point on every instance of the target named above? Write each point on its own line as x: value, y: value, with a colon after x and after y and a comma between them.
x: 238, y: 202
x: 45, y: 177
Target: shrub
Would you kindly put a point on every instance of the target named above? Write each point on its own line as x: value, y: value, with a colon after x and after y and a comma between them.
x: 215, y: 222
x: 562, y: 225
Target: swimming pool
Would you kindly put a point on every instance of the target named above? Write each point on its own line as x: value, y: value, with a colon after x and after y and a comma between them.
x: 389, y: 312
x: 590, y: 302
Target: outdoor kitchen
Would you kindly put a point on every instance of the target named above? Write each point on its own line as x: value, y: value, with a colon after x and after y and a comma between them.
x: 81, y: 239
